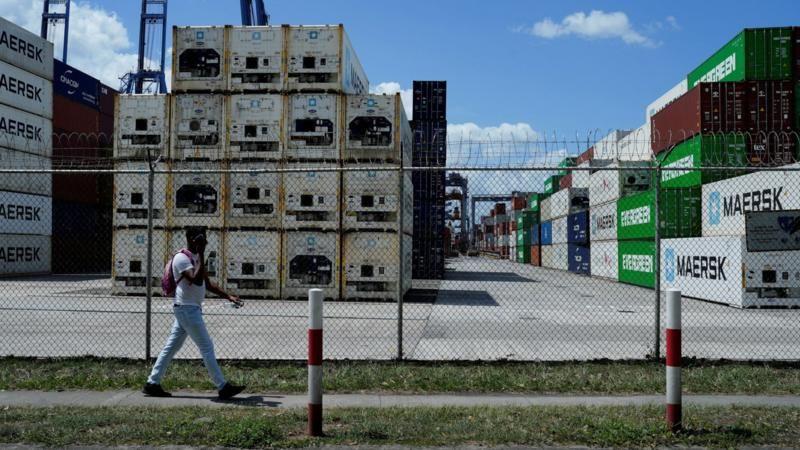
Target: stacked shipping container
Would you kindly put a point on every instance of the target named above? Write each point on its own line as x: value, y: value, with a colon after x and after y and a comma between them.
x: 254, y: 99
x: 26, y: 112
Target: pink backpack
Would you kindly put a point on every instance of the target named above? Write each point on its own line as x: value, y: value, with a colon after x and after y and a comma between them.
x: 168, y: 283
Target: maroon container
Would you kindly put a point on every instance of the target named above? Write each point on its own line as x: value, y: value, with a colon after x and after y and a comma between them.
x: 500, y: 209
x: 796, y: 42
x: 588, y: 155
x: 518, y: 203
x: 106, y: 100
x: 536, y: 255
x: 740, y: 107
x: 565, y: 182
x: 74, y: 117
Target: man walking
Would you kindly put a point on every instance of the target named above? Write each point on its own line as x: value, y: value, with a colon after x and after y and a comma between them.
x: 191, y: 283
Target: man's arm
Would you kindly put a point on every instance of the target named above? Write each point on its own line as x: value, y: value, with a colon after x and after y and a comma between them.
x: 218, y: 291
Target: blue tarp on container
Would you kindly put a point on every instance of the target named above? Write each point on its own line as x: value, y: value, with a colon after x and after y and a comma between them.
x: 578, y: 228
x: 547, y: 233
x: 579, y: 259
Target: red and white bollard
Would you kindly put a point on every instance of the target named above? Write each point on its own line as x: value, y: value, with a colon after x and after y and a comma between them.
x: 674, y: 414
x: 315, y: 362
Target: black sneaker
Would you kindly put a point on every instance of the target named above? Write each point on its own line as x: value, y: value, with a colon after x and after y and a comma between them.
x: 155, y: 390
x: 229, y: 391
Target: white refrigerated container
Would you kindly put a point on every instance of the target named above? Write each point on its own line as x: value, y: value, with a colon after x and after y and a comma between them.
x: 255, y: 58
x: 253, y: 196
x: 373, y: 265
x: 198, y: 59
x: 252, y: 264
x: 321, y: 58
x: 141, y: 126
x: 254, y: 130
x: 310, y: 261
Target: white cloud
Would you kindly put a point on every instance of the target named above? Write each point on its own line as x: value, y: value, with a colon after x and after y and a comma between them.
x: 393, y: 87
x: 98, y: 41
x: 595, y: 25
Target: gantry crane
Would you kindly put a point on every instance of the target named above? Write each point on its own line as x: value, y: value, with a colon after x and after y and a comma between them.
x: 152, y: 37
x: 52, y: 18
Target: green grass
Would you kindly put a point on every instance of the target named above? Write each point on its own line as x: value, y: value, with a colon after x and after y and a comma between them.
x: 419, y: 378
x: 258, y: 427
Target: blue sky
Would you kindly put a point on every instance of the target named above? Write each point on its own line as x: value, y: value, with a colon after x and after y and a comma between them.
x: 589, y: 74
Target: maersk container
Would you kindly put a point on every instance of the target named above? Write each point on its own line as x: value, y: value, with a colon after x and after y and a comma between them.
x: 130, y: 195
x: 25, y: 132
x: 322, y: 59
x: 198, y: 59
x: 668, y: 97
x: 603, y: 223
x: 311, y: 199
x: 604, y: 259
x: 21, y: 48
x: 636, y: 263
x: 26, y: 91
x: 703, y: 152
x: 25, y: 182
x: 372, y: 201
x: 255, y: 130
x: 753, y: 54
x: 636, y: 145
x: 546, y: 233
x: 25, y: 214
x: 141, y: 126
x: 378, y: 130
x: 720, y: 269
x: 129, y: 269
x: 726, y: 202
x: 580, y: 260
x: 580, y: 178
x: 252, y: 264
x: 608, y: 146
x: 559, y: 230
x: 313, y: 127
x: 578, y: 228
x: 253, y: 196
x: 255, y: 58
x: 196, y: 196
x: 22, y: 254
x: 213, y: 255
x: 310, y: 261
x: 712, y: 108
x: 568, y: 201
x: 679, y: 214
x: 373, y: 265
x: 556, y: 257
x: 198, y: 127
x: 626, y: 179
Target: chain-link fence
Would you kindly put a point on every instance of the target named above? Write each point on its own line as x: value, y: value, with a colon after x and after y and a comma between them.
x: 519, y: 248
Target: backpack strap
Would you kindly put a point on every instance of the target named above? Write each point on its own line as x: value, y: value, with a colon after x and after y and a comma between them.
x: 189, y: 255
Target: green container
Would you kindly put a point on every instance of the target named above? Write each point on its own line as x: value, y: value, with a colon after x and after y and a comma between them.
x: 533, y: 201
x: 754, y: 54
x: 636, y: 263
x: 704, y: 151
x: 524, y: 253
x: 679, y: 217
x: 526, y: 219
x: 551, y: 185
x: 566, y: 163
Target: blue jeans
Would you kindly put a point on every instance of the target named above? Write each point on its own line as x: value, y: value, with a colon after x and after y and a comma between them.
x: 188, y: 320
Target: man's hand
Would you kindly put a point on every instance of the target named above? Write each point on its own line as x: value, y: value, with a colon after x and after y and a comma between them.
x: 238, y: 303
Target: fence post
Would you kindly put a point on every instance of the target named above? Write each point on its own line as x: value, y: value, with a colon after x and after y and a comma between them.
x: 657, y: 263
x: 674, y: 415
x: 315, y: 298
x: 149, y: 270
x: 401, y: 260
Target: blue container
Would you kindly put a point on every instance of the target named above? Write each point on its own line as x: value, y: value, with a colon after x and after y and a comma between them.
x: 76, y: 85
x: 547, y: 233
x: 579, y: 259
x: 535, y: 236
x: 578, y: 228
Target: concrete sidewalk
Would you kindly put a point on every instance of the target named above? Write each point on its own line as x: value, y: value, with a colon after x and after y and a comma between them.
x: 209, y: 399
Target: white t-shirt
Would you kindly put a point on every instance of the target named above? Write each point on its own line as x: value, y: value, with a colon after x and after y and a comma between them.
x: 186, y: 292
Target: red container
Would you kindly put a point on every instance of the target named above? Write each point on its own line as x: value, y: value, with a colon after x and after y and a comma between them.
x: 588, y: 155
x: 500, y: 209
x: 492, y: 212
x: 74, y: 117
x: 536, y: 255
x: 513, y: 225
x: 518, y: 203
x: 106, y: 100
x: 740, y: 107
x: 504, y: 251
x: 565, y: 182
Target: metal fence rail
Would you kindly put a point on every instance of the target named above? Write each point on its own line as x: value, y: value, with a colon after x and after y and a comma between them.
x: 88, y: 237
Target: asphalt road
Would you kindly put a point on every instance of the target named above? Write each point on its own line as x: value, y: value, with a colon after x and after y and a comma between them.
x: 484, y: 310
